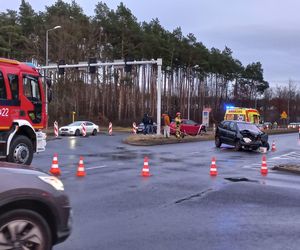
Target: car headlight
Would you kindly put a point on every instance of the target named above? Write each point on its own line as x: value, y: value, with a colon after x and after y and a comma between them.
x: 53, y: 181
x: 247, y: 140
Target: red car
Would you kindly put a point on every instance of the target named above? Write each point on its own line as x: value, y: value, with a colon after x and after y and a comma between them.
x: 188, y: 127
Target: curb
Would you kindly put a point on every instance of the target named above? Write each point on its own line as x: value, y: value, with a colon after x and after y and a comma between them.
x: 152, y: 141
x: 209, y: 136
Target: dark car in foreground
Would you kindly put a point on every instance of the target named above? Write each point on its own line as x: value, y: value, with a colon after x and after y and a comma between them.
x: 188, y: 127
x: 241, y: 135
x: 35, y: 213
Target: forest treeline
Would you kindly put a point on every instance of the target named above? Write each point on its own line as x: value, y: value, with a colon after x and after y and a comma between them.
x: 193, y: 76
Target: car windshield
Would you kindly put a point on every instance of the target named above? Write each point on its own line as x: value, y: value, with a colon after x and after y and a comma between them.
x: 189, y: 122
x: 248, y: 126
x: 75, y: 124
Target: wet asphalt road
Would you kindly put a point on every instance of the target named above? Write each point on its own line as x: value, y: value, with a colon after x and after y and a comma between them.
x: 180, y: 206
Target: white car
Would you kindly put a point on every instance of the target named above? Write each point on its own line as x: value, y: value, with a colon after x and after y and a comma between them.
x: 294, y: 125
x: 75, y: 128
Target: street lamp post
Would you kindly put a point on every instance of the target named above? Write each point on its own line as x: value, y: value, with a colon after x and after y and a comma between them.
x: 189, y: 79
x: 73, y: 115
x: 46, y: 71
x: 190, y: 91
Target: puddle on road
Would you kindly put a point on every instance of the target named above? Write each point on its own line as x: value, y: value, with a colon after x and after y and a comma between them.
x: 239, y: 179
x: 165, y: 159
x: 121, y: 154
x: 114, y: 156
x: 179, y: 169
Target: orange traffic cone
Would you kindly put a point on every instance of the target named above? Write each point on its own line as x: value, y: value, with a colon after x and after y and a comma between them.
x: 80, y: 169
x: 264, y: 168
x: 54, y: 167
x: 213, y: 167
x: 145, y: 170
x: 273, y: 146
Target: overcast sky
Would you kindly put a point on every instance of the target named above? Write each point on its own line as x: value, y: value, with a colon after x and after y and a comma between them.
x: 256, y: 30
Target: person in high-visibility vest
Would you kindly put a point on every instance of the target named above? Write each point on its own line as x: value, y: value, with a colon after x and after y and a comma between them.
x: 178, y: 123
x: 166, y: 124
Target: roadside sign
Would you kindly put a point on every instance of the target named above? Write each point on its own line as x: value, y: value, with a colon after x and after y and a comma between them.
x: 205, y: 116
x: 283, y: 115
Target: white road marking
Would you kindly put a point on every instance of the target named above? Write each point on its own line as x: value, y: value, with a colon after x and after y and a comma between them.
x: 285, y: 156
x: 96, y: 167
x: 275, y: 160
x: 193, y: 153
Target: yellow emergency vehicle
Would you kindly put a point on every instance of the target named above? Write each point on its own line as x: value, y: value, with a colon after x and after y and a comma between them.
x: 242, y: 114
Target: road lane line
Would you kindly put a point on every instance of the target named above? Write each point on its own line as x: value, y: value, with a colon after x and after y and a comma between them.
x: 96, y: 167
x: 276, y: 160
x: 283, y: 156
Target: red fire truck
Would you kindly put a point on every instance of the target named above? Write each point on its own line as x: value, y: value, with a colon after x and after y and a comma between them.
x: 22, y: 112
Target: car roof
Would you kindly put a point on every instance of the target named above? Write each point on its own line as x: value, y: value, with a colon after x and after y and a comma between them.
x: 82, y: 121
x: 235, y: 121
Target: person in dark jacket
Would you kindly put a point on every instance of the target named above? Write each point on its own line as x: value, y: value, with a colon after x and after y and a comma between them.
x: 146, y: 123
x: 150, y: 125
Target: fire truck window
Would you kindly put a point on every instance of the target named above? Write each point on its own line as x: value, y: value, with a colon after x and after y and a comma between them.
x: 2, y: 87
x: 31, y: 88
x: 14, y: 86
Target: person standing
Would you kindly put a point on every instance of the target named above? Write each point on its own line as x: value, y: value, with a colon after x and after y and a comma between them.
x: 150, y: 125
x: 166, y: 125
x: 146, y: 123
x: 178, y: 123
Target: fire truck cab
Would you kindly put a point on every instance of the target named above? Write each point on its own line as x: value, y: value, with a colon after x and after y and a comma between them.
x: 22, y: 112
x: 242, y: 114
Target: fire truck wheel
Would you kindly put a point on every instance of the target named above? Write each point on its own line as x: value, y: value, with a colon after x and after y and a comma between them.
x: 21, y: 150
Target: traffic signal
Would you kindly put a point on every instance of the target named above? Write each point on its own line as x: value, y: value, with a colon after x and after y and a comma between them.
x: 61, y: 71
x: 92, y: 69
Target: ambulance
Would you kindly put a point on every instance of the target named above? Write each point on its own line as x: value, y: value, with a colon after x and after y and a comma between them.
x: 242, y: 114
